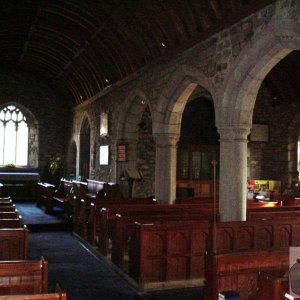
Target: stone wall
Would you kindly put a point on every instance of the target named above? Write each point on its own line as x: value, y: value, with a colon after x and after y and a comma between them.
x: 51, y: 112
x: 270, y: 160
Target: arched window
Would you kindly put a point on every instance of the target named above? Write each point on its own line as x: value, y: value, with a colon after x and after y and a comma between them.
x: 13, y: 136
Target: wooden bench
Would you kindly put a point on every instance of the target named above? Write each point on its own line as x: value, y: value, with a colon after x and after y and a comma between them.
x: 49, y: 196
x: 62, y: 196
x: 93, y: 213
x: 13, y: 243
x: 7, y: 201
x: 59, y: 294
x: 168, y: 254
x: 80, y: 190
x: 16, y: 222
x: 272, y: 285
x: 45, y: 192
x: 8, y: 208
x: 10, y: 219
x: 23, y: 277
x: 276, y: 212
x: 98, y: 190
x: 9, y: 214
x: 240, y: 250
x: 255, y: 235
x: 123, y: 228
x: 88, y: 214
x: 103, y: 228
x: 239, y: 271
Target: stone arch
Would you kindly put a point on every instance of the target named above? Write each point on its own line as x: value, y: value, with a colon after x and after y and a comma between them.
x: 167, y: 126
x: 33, y: 133
x: 131, y: 114
x: 235, y: 103
x: 174, y: 97
x: 236, y: 97
x: 84, y: 147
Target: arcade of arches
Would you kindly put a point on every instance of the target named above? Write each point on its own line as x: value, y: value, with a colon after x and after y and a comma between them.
x: 206, y: 97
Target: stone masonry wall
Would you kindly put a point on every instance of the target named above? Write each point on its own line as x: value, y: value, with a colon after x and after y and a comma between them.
x: 51, y: 112
x: 269, y: 160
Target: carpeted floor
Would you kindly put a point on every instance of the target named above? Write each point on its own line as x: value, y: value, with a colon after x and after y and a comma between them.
x: 84, y: 275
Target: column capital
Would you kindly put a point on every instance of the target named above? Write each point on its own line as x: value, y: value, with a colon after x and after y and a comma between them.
x: 166, y: 139
x: 229, y: 133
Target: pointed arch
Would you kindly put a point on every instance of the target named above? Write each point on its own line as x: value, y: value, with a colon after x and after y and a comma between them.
x: 84, y: 147
x: 26, y: 127
x: 130, y: 114
x: 172, y: 101
x: 135, y: 130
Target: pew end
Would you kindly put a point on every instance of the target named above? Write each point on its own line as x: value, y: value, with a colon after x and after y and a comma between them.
x: 59, y: 294
x: 23, y: 277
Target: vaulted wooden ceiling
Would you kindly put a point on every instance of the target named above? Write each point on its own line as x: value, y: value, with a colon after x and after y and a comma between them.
x: 81, y: 47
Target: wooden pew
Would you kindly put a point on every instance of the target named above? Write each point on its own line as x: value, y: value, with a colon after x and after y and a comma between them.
x: 11, y: 223
x: 98, y: 190
x: 45, y: 192
x: 59, y: 294
x: 275, y: 215
x: 103, y: 230
x: 13, y: 243
x: 240, y: 250
x: 7, y: 201
x: 8, y: 208
x: 88, y: 213
x: 93, y: 212
x: 196, y: 200
x: 80, y: 190
x: 62, y: 196
x: 272, y: 285
x: 23, y: 277
x: 166, y: 254
x: 255, y: 235
x: 123, y: 228
x: 9, y: 214
x: 239, y: 271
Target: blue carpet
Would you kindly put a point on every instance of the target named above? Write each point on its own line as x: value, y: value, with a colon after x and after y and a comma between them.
x: 35, y: 215
x: 82, y: 275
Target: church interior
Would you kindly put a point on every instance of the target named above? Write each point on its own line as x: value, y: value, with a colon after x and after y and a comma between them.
x: 160, y: 135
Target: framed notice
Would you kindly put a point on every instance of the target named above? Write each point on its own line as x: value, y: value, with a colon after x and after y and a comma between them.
x: 103, y: 124
x: 259, y: 133
x: 104, y: 155
x: 122, y: 153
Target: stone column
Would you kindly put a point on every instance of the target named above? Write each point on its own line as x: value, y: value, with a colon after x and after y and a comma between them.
x: 293, y: 174
x: 165, y: 167
x: 233, y: 172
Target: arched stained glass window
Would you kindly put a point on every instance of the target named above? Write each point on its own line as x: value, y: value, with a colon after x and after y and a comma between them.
x: 13, y: 136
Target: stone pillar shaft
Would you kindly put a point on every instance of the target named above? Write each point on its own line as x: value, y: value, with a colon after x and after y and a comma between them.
x: 233, y: 173
x: 165, y: 167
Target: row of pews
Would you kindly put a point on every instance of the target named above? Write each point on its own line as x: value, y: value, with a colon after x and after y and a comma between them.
x: 184, y: 244
x: 20, y: 278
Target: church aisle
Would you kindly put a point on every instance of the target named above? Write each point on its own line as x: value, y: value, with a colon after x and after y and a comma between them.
x: 80, y: 273
x: 83, y: 275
